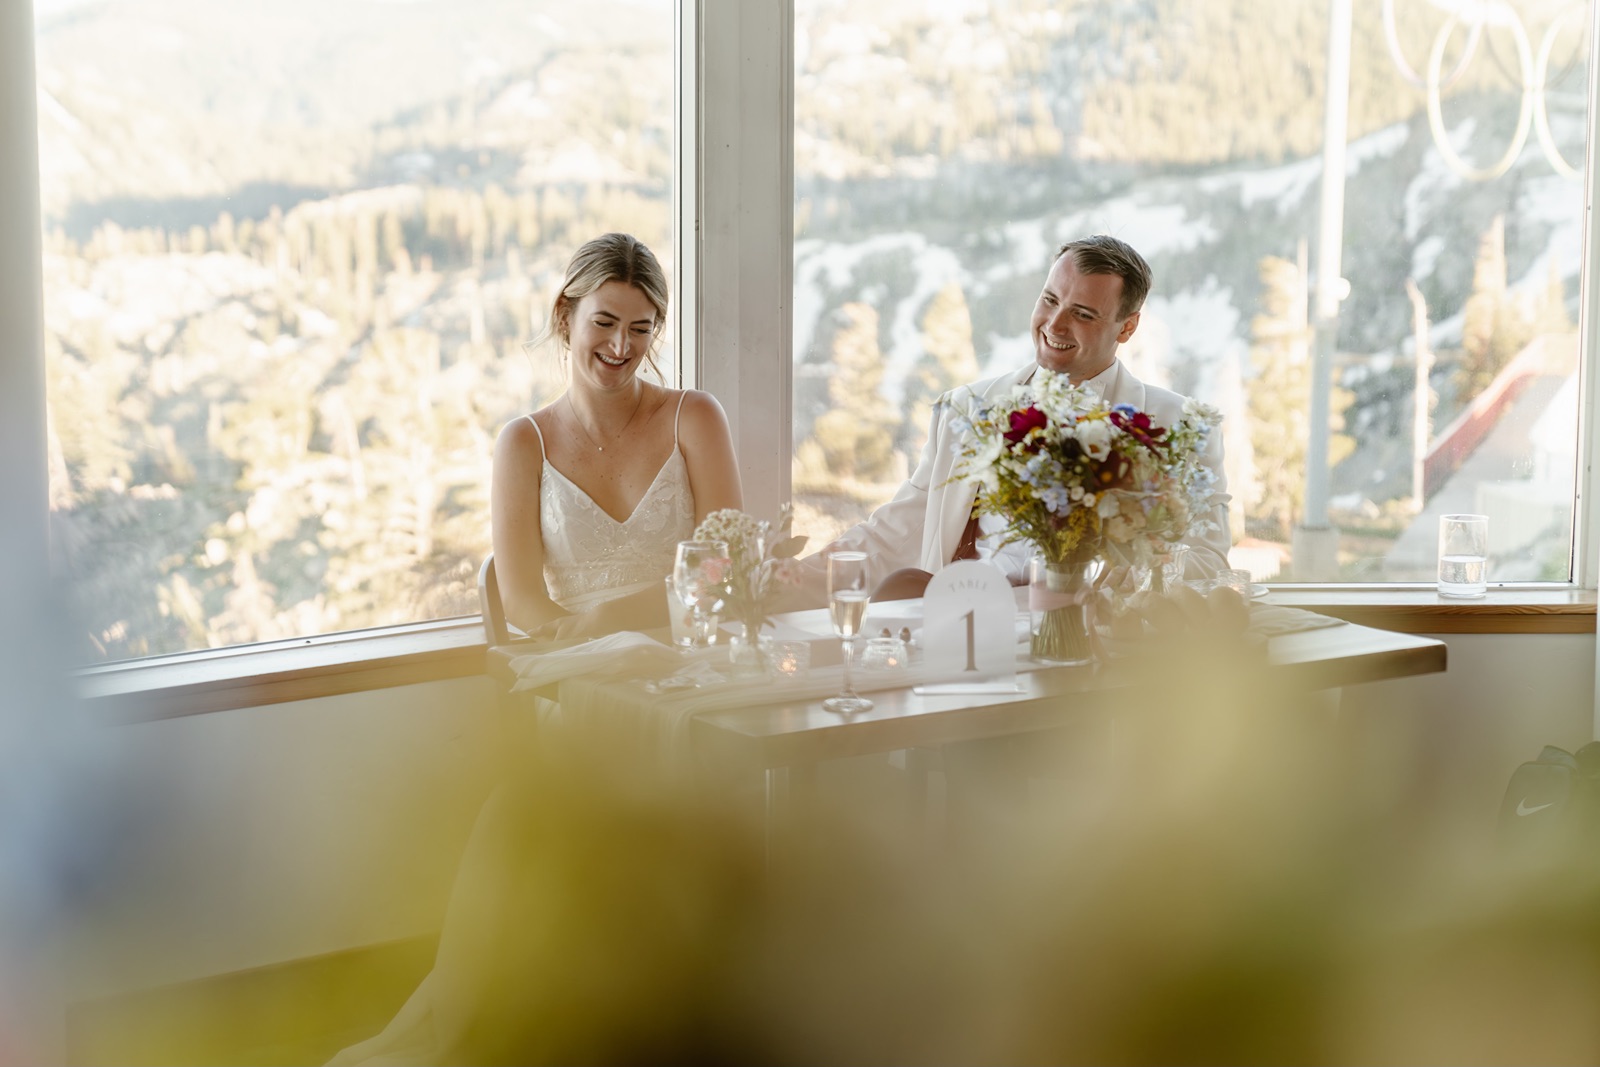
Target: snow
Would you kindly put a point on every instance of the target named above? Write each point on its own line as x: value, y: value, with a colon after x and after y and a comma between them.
x: 1426, y: 255
x: 1198, y: 328
x: 1434, y: 184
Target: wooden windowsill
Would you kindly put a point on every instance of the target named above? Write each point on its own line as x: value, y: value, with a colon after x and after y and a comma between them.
x: 1533, y: 609
x: 247, y: 676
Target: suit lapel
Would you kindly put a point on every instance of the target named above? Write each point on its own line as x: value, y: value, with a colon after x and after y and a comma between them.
x: 955, y: 499
x: 1125, y: 388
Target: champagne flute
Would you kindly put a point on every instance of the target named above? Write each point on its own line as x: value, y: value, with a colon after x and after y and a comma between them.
x: 847, y: 603
x: 700, y: 575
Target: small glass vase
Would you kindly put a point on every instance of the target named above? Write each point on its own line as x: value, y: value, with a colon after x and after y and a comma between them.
x: 746, y: 654
x: 1061, y: 603
x: 1165, y: 570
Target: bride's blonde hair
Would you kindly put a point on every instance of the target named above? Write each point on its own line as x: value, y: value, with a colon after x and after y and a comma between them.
x: 611, y: 257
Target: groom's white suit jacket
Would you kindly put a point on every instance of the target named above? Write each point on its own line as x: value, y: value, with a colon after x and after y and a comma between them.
x: 922, y: 525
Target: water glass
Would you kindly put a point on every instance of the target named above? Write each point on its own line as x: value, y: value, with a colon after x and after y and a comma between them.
x: 688, y: 629
x: 700, y: 576
x: 1463, y: 555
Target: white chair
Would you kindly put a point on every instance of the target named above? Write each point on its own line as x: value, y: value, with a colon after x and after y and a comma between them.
x: 494, y: 612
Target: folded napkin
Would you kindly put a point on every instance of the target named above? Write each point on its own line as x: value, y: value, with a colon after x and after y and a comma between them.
x: 626, y: 650
x: 1274, y: 620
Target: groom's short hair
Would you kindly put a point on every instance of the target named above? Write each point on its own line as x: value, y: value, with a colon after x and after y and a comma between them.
x: 1102, y: 254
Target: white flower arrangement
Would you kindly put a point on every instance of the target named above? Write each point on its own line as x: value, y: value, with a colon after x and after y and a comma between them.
x: 761, y: 555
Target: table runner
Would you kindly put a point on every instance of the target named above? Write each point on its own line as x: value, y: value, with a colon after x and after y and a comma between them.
x: 660, y: 718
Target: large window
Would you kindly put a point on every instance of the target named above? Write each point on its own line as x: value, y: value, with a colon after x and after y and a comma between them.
x: 943, y: 151
x: 292, y: 252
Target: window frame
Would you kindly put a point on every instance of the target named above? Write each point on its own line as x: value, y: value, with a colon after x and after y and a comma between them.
x: 733, y: 210
x: 1586, y: 517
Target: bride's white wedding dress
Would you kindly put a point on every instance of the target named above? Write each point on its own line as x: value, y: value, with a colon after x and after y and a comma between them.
x: 589, y: 557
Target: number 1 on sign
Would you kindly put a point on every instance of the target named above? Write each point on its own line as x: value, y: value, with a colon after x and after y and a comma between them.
x: 968, y: 623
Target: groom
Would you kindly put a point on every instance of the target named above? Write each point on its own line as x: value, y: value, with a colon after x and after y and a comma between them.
x: 1090, y: 305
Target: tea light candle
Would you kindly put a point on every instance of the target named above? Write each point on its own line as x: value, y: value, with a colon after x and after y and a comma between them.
x: 884, y: 654
x: 788, y: 660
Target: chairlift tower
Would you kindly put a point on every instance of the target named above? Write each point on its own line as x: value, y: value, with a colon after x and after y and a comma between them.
x: 1316, y: 540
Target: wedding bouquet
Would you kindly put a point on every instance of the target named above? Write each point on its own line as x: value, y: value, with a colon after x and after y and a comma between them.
x: 760, y: 555
x: 1085, y: 482
x: 1082, y: 479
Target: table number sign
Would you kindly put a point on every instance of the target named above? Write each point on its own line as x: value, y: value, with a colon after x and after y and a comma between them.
x: 969, y: 632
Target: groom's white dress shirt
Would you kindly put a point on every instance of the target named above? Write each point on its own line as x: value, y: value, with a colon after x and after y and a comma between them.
x: 922, y: 525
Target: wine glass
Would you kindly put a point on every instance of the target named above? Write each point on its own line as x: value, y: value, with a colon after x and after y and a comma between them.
x: 847, y: 603
x: 700, y: 575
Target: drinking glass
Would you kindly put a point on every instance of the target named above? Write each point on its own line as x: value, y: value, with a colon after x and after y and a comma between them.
x: 1463, y: 555
x: 1236, y: 579
x: 847, y: 603
x: 700, y: 576
x: 688, y: 630
x: 1166, y: 570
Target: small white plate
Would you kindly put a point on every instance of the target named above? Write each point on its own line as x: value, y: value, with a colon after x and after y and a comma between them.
x: 1257, y: 591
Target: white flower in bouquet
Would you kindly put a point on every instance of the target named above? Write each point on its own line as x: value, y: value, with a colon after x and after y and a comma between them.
x: 1095, y: 437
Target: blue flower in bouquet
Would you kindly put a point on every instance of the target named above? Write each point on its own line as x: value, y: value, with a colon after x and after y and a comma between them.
x: 1056, y: 498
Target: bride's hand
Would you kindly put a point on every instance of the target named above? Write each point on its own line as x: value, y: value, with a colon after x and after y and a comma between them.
x: 579, y: 627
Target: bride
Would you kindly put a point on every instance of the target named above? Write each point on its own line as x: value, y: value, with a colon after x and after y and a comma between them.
x: 593, y: 492
x: 591, y: 495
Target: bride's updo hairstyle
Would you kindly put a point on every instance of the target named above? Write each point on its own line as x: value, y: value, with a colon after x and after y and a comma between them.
x: 611, y: 257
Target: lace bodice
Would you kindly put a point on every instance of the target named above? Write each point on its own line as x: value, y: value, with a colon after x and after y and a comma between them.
x: 589, y: 557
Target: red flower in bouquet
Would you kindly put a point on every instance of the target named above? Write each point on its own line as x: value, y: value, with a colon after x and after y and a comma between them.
x: 1114, y: 472
x: 1139, y: 427
x: 1025, y: 421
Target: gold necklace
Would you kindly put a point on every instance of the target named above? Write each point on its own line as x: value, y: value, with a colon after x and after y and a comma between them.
x: 598, y: 447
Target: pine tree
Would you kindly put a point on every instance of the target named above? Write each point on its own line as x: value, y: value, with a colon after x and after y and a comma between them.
x: 949, y: 360
x: 1280, y: 397
x: 1494, y: 328
x: 856, y: 434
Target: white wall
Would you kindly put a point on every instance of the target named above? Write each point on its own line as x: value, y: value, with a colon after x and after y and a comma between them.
x: 232, y: 840
x: 1460, y: 734
x: 297, y: 829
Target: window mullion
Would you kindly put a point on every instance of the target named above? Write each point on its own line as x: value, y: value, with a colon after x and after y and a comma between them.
x: 1586, y: 535
x: 744, y: 257
x: 24, y: 489
x: 686, y: 191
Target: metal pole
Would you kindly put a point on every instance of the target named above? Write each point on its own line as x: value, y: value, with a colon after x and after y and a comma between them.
x: 1316, y: 548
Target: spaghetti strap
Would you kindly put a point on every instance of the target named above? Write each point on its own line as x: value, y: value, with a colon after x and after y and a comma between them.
x: 537, y: 431
x: 678, y: 418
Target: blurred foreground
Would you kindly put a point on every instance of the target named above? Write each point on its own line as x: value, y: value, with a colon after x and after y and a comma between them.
x: 1221, y: 874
